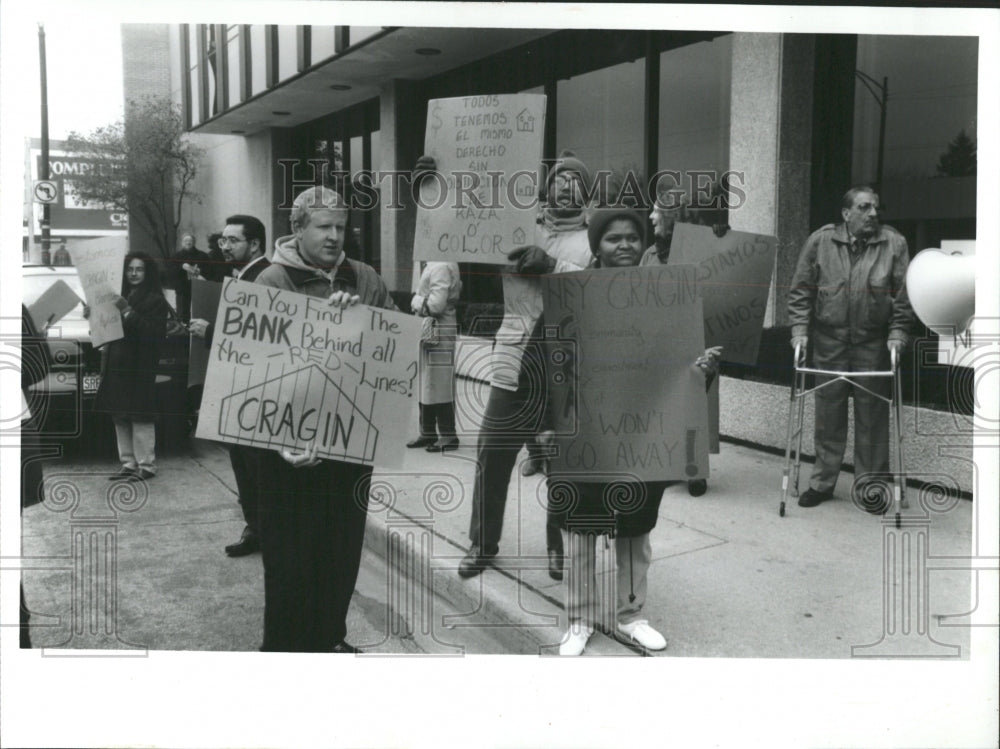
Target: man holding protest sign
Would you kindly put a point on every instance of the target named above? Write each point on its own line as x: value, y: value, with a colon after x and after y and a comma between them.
x: 517, y: 392
x: 313, y: 510
x: 848, y: 299
x: 242, y: 244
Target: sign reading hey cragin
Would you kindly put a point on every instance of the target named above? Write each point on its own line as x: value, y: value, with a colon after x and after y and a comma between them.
x: 626, y: 400
x: 481, y: 202
x: 287, y: 370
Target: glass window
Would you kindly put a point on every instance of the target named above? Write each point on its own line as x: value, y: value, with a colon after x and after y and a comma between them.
x: 233, y: 58
x: 600, y: 117
x: 322, y: 43
x: 694, y: 107
x: 928, y: 183
x: 258, y: 59
x: 287, y: 52
x: 376, y: 150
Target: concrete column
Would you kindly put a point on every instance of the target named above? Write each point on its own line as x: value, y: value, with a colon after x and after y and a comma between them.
x: 770, y: 143
x: 402, y: 114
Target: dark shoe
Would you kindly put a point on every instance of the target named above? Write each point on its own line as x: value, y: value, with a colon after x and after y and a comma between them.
x: 343, y: 647
x: 811, y: 498
x: 474, y: 562
x: 142, y: 475
x: 443, y: 445
x: 249, y: 543
x: 122, y: 473
x: 697, y: 487
x: 421, y: 441
x: 555, y: 564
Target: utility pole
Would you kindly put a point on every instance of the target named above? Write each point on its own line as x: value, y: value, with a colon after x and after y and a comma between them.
x: 881, y: 95
x: 43, y: 170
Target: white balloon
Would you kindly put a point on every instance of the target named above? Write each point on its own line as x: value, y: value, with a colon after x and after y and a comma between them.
x: 942, y: 289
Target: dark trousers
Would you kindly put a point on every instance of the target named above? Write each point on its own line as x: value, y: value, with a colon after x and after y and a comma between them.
x: 437, y: 419
x: 512, y: 419
x: 871, y: 414
x: 244, y: 463
x: 312, y: 536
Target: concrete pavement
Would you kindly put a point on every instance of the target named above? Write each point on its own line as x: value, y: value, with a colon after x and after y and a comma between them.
x: 730, y: 578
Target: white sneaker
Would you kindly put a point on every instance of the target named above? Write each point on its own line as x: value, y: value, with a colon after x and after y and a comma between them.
x: 642, y: 633
x: 575, y: 640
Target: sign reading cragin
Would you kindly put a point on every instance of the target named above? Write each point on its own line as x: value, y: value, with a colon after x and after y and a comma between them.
x: 287, y: 370
x: 481, y: 203
x: 734, y: 275
x: 625, y: 397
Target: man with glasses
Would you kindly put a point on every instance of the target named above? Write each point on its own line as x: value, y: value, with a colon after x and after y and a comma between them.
x: 242, y: 244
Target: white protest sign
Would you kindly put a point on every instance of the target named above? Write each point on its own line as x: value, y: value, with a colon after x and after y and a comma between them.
x: 626, y: 399
x: 99, y: 266
x: 481, y: 202
x: 287, y: 370
x: 734, y: 275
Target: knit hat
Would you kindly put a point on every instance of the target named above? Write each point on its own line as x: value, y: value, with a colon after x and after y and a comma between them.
x: 567, y: 162
x: 600, y: 218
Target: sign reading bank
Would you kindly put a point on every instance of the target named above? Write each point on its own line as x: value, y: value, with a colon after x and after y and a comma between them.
x: 68, y: 215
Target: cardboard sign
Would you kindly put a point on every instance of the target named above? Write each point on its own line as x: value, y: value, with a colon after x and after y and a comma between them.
x: 99, y: 267
x: 53, y: 305
x: 204, y: 306
x: 734, y: 275
x: 286, y: 370
x: 482, y: 201
x: 626, y: 399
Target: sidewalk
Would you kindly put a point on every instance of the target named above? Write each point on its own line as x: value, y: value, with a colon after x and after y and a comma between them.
x: 730, y: 578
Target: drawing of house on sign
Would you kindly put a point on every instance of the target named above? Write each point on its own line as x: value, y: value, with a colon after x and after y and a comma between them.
x: 525, y: 121
x: 297, y: 408
x: 518, y: 236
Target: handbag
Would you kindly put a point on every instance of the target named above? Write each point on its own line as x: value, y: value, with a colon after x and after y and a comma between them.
x: 429, y: 331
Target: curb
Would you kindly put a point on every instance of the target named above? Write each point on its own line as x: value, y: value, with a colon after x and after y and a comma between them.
x: 521, y: 618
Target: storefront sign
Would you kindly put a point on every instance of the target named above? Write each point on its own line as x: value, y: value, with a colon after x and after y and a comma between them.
x: 287, y: 370
x: 626, y: 399
x: 481, y: 202
x: 734, y: 275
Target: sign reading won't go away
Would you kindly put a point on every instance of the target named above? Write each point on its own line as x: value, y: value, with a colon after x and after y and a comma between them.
x: 287, y: 370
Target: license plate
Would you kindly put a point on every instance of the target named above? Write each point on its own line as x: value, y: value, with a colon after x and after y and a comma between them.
x: 91, y: 382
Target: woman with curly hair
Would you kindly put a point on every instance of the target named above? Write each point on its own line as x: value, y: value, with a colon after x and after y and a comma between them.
x: 128, y: 367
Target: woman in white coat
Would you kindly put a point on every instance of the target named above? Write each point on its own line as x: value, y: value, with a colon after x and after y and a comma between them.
x: 437, y: 294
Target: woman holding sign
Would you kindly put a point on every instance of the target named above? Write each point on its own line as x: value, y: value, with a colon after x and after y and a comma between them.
x: 128, y: 367
x: 437, y: 294
x: 616, y: 240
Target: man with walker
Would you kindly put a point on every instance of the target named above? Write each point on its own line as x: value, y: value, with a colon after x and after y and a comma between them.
x: 848, y: 301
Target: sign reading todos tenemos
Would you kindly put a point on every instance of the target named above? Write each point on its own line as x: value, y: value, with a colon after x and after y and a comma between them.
x: 627, y: 402
x: 287, y: 370
x: 481, y: 203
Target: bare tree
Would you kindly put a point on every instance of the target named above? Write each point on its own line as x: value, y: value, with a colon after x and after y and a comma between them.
x: 147, y: 168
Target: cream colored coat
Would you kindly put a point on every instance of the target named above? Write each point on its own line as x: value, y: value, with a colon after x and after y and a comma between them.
x: 437, y: 294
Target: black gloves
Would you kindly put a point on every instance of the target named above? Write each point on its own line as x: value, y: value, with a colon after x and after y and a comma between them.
x: 531, y: 260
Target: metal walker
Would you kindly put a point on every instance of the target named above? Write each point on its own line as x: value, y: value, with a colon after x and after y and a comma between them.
x: 796, y: 412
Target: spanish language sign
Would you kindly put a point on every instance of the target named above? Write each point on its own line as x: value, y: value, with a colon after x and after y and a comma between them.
x: 99, y: 266
x: 204, y: 306
x: 734, y: 275
x: 287, y: 370
x: 481, y: 202
x: 626, y: 400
